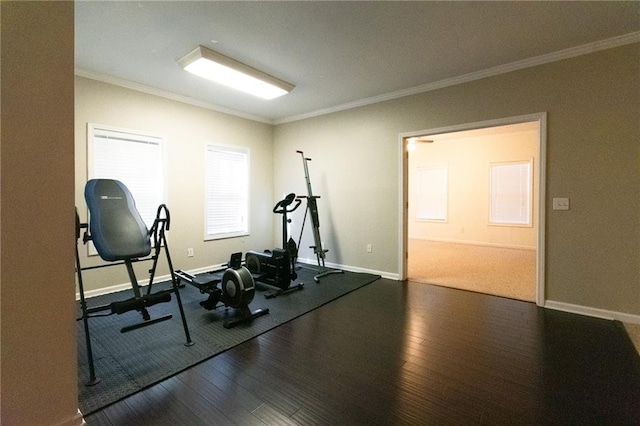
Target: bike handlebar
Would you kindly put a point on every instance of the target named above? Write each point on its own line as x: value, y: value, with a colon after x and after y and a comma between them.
x: 281, y: 206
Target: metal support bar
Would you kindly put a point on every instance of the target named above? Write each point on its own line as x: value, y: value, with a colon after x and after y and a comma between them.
x: 145, y: 323
x: 138, y: 302
x: 93, y: 380
x: 312, y: 208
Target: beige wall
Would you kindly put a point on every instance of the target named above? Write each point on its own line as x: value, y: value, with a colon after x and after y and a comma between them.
x: 593, y: 151
x: 354, y: 171
x: 38, y: 311
x: 593, y: 250
x: 186, y: 129
x: 467, y: 158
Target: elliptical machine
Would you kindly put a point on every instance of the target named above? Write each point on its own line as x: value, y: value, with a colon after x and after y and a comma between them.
x: 276, y: 267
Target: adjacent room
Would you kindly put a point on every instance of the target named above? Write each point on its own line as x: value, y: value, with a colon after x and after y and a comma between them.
x: 473, y: 204
x: 380, y: 213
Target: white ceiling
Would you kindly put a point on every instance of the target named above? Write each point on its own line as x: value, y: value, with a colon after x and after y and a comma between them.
x: 337, y: 54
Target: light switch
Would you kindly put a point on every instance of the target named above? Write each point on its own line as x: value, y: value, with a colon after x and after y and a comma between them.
x: 561, y: 204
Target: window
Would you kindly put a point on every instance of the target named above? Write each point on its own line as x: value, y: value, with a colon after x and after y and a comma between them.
x: 226, y: 192
x: 132, y: 157
x: 432, y: 192
x: 510, y: 193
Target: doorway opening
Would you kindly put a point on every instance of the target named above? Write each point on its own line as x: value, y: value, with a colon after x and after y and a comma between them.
x: 472, y: 207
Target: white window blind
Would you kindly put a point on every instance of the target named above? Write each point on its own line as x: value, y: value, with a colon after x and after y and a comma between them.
x: 226, y: 191
x: 510, y: 193
x: 135, y: 159
x: 432, y: 192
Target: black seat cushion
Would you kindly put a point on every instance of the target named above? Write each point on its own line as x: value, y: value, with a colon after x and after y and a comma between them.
x: 116, y: 227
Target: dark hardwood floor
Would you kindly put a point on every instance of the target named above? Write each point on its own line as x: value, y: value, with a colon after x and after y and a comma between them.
x: 396, y: 353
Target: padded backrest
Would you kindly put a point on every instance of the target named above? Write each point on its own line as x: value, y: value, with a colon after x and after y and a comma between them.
x: 117, y: 229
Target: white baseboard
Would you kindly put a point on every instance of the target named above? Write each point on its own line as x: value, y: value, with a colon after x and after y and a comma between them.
x: 125, y: 286
x: 118, y: 287
x: 551, y: 304
x: 205, y: 269
x: 476, y: 243
x: 592, y: 312
x: 383, y: 274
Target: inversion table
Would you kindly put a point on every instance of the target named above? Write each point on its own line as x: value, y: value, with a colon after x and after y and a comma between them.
x: 121, y: 237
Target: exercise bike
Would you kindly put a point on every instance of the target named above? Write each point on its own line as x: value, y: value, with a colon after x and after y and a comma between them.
x: 237, y: 290
x: 276, y: 267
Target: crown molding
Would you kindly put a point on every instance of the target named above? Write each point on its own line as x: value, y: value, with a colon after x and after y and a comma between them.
x: 490, y: 72
x: 166, y: 94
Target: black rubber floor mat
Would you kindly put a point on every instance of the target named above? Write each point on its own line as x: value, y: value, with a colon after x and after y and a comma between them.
x: 126, y: 363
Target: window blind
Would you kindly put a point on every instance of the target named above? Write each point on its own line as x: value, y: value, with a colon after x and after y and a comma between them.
x: 226, y: 191
x: 510, y: 193
x: 135, y: 159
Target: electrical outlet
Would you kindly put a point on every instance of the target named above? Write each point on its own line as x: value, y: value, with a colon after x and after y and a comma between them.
x: 369, y: 248
x: 560, y: 204
x: 189, y: 252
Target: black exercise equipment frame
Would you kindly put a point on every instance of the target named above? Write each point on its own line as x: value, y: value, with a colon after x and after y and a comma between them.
x: 312, y: 208
x: 139, y: 302
x: 237, y: 290
x: 276, y: 268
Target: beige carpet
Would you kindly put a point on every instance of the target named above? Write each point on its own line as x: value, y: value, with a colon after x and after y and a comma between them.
x: 492, y: 270
x: 633, y: 330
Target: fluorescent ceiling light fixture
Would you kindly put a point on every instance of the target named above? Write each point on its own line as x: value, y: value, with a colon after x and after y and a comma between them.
x: 229, y: 72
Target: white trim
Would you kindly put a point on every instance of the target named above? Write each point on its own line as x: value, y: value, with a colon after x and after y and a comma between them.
x: 75, y: 420
x: 592, y: 312
x: 127, y: 84
x: 145, y: 282
x: 245, y: 150
x: 571, y: 52
x: 490, y: 72
x: 492, y: 166
x: 383, y: 274
x: 96, y: 131
x: 120, y: 287
x: 403, y: 165
x: 125, y: 286
x: 542, y: 218
x: 477, y: 243
x: 403, y: 205
x: 205, y: 269
x: 505, y: 121
x: 93, y: 128
x: 153, y: 138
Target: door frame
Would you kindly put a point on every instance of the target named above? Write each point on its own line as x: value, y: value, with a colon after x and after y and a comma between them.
x: 540, y: 168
